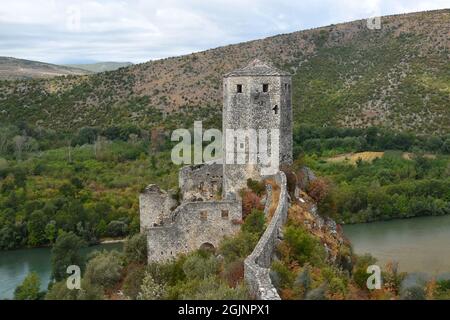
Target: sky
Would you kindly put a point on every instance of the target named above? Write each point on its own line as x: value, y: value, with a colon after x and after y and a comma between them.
x: 85, y: 31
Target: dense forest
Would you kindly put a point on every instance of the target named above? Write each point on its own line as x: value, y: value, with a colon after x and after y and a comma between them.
x: 88, y: 182
x: 303, y: 269
x: 403, y: 175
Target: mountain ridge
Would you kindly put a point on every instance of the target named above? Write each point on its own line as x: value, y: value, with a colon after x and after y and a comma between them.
x: 22, y: 69
x: 100, y: 66
x: 343, y: 75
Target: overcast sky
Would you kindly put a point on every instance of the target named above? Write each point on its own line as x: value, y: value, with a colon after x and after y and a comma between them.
x: 70, y: 31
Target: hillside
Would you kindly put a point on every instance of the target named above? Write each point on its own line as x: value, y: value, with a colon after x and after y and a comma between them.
x: 100, y: 66
x: 19, y: 69
x: 344, y: 75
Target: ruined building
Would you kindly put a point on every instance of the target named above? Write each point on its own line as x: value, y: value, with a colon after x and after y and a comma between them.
x: 256, y: 97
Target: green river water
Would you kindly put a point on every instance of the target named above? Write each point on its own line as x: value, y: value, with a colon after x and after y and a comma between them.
x: 16, y: 264
x: 419, y: 244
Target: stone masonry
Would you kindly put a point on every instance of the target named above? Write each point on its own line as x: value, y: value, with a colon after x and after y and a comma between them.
x: 257, y: 264
x: 255, y: 97
x: 208, y: 206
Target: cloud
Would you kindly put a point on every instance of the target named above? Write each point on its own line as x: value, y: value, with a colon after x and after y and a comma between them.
x: 61, y: 31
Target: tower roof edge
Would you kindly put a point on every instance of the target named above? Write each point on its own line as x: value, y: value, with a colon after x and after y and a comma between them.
x: 257, y: 68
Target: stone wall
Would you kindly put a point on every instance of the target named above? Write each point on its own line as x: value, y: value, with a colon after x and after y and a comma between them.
x: 192, y: 225
x: 155, y: 205
x: 254, y: 109
x: 257, y: 264
x: 200, y: 182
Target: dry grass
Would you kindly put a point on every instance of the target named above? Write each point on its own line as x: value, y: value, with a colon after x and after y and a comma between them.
x: 351, y: 158
x: 275, y: 197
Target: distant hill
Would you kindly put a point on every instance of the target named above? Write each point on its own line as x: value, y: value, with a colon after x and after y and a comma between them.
x: 343, y: 75
x: 19, y: 69
x: 100, y: 66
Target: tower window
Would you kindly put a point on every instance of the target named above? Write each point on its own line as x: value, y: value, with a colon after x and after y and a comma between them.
x: 239, y: 88
x: 265, y: 87
x: 285, y: 86
x: 224, y: 214
x: 275, y: 109
x: 203, y: 215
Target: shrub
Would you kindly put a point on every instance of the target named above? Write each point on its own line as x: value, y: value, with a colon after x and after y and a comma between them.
x: 210, y: 288
x: 88, y: 291
x: 360, y: 274
x: 116, y: 229
x: 133, y: 281
x: 281, y: 276
x: 150, y: 289
x: 303, y: 281
x: 238, y: 247
x: 318, y: 189
x: 318, y: 293
x: 59, y: 291
x: 135, y: 248
x: 233, y: 273
x: 170, y: 272
x: 104, y: 269
x: 304, y: 247
x: 413, y: 287
x: 257, y: 187
x: 254, y: 223
x: 200, y: 266
x: 414, y: 292
x: 250, y: 201
x: 66, y: 252
x: 29, y: 288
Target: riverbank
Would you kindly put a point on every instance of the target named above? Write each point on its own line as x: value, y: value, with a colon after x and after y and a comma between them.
x: 109, y: 241
x: 16, y: 264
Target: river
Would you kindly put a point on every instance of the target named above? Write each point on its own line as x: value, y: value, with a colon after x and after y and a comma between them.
x: 419, y: 244
x: 16, y: 264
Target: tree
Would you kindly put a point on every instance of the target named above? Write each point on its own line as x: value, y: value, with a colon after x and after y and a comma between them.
x: 99, y: 147
x: 303, y: 246
x: 200, y: 266
x: 254, y: 222
x: 66, y: 252
x: 88, y: 291
x: 150, y: 290
x: 117, y: 228
x: 318, y: 189
x: 133, y: 281
x: 104, y: 269
x: 135, y: 248
x: 19, y: 142
x: 36, y: 228
x: 51, y: 231
x: 29, y: 288
x: 446, y: 146
x: 360, y: 274
x: 250, y: 201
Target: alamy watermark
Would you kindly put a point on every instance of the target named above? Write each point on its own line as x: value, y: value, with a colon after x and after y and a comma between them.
x: 242, y: 146
x: 74, y: 280
x: 374, y: 280
x: 374, y: 12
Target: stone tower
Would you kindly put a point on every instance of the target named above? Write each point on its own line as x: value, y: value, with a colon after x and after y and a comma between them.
x: 257, y: 97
